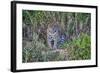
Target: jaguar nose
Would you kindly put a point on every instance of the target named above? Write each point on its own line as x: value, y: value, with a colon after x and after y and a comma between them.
x: 52, y: 43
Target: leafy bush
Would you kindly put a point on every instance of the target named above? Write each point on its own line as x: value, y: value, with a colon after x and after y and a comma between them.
x: 81, y: 47
x: 34, y: 52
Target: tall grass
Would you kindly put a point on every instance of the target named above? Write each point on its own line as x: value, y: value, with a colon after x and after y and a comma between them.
x: 76, y: 26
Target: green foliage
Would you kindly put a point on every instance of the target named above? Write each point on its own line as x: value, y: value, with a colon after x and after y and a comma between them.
x: 50, y: 56
x: 83, y: 41
x: 27, y: 54
x: 81, y: 47
x: 75, y: 25
x: 78, y: 49
x: 36, y: 49
x: 64, y: 45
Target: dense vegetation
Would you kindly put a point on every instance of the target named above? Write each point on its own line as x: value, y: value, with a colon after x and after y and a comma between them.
x: 76, y: 27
